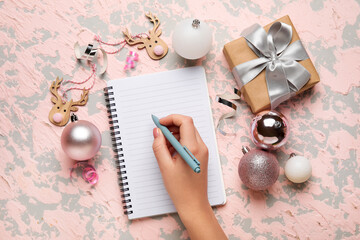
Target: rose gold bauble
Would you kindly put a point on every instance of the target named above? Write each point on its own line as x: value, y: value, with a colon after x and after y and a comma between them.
x: 258, y: 169
x: 81, y: 140
x: 269, y: 130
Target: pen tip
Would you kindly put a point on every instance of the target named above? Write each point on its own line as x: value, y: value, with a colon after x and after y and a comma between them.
x: 154, y: 118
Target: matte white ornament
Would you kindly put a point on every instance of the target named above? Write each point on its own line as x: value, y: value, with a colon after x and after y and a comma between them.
x: 298, y: 169
x: 192, y: 39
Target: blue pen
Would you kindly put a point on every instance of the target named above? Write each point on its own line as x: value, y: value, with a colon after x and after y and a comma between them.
x: 182, y: 150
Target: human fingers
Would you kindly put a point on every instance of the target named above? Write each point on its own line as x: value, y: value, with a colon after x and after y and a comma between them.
x: 186, y: 127
x: 198, y: 137
x: 160, y: 149
x: 202, y: 148
x: 173, y: 129
x: 172, y: 150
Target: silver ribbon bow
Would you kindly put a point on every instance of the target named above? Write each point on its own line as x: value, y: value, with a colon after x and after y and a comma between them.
x: 284, y: 75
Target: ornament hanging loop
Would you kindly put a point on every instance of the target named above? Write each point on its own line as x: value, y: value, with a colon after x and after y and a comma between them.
x: 73, y: 117
x: 196, y: 23
x: 245, y: 149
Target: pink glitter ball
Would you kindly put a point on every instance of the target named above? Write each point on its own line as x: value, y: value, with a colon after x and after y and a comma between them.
x: 258, y: 169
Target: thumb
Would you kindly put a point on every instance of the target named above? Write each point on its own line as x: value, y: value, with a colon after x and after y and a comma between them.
x: 160, y: 149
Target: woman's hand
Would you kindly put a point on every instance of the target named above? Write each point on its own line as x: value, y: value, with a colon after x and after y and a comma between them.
x: 187, y: 189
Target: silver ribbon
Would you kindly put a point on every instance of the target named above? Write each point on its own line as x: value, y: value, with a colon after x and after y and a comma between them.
x: 284, y: 75
x: 226, y: 99
x: 90, y: 54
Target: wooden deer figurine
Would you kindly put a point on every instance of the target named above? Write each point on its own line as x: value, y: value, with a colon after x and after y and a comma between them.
x: 155, y: 47
x: 60, y: 113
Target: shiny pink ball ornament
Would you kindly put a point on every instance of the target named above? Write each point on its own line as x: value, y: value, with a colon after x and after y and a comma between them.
x: 258, y: 169
x: 269, y: 130
x: 80, y: 140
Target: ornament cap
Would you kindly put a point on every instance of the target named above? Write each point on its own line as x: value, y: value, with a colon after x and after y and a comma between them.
x: 74, y: 118
x: 196, y: 23
x: 245, y: 149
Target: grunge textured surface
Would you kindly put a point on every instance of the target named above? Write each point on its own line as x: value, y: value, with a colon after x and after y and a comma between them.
x: 37, y: 198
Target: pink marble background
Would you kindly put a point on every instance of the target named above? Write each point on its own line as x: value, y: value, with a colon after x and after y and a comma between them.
x: 37, y: 199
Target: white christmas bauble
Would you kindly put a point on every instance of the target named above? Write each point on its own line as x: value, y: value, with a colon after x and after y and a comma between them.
x: 298, y: 169
x: 192, y: 39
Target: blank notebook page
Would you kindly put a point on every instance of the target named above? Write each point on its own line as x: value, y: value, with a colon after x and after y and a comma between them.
x: 182, y: 91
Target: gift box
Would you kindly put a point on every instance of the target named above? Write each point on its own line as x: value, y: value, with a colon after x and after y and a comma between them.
x: 256, y: 92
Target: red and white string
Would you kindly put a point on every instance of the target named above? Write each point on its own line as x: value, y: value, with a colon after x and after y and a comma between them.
x: 122, y: 43
x: 64, y: 91
x: 98, y: 39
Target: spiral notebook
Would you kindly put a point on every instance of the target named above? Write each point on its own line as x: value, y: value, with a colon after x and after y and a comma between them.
x: 130, y: 102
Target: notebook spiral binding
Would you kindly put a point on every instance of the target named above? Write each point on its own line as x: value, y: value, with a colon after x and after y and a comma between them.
x: 117, y: 147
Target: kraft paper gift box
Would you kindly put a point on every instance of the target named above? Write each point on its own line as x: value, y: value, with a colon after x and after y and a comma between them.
x: 255, y: 92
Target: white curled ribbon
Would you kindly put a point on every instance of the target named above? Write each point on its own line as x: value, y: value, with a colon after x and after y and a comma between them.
x: 90, y: 54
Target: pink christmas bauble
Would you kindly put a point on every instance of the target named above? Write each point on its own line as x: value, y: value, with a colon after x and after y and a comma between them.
x: 258, y: 169
x: 81, y: 140
x: 269, y: 130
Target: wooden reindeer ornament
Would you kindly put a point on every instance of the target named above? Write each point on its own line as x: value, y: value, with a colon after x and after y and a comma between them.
x: 156, y: 48
x: 60, y: 113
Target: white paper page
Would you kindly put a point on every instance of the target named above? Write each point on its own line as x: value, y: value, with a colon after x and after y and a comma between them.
x: 182, y: 91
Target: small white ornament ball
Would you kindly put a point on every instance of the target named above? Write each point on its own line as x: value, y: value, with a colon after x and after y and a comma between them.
x: 298, y: 169
x: 192, y: 39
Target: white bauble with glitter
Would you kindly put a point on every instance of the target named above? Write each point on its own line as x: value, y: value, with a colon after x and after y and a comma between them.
x: 298, y: 169
x: 192, y: 39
